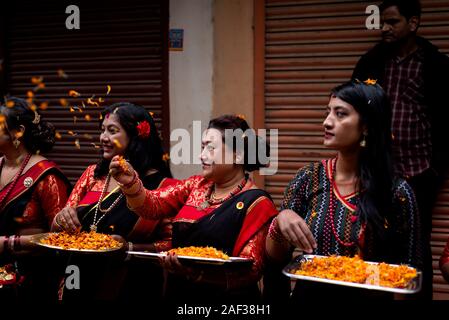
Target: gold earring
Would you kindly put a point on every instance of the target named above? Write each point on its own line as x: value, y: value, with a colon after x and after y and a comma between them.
x: 363, y: 142
x: 16, y: 143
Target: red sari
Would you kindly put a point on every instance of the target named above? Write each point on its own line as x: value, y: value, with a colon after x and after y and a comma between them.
x: 39, y: 194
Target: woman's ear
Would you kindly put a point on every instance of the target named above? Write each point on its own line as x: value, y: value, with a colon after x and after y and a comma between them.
x: 19, y: 132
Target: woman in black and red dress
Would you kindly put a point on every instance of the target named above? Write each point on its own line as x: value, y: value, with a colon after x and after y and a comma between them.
x: 222, y: 208
x: 32, y: 191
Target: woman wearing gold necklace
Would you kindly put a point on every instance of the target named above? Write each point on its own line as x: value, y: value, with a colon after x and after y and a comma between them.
x: 97, y: 204
x: 32, y: 191
x: 352, y: 204
x: 221, y: 208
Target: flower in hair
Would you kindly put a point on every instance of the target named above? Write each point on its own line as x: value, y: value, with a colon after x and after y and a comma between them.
x: 143, y: 129
x: 240, y: 116
x: 370, y: 82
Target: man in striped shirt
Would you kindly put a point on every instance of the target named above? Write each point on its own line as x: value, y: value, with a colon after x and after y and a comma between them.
x: 415, y: 76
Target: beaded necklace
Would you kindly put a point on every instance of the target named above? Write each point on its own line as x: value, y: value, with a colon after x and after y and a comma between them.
x: 211, y: 200
x: 14, y: 181
x: 93, y: 226
x: 331, y: 215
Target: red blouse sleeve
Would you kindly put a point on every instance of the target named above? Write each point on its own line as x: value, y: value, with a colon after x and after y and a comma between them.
x: 53, y: 194
x: 255, y: 250
x: 166, y: 202
x: 82, y: 186
x: 48, y: 198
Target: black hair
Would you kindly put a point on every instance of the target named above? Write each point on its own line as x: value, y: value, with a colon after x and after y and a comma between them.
x: 407, y: 8
x: 39, y: 136
x: 375, y: 169
x: 254, y: 158
x: 142, y: 153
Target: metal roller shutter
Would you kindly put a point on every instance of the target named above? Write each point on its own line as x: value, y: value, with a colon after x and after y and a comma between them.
x: 121, y: 44
x: 309, y: 47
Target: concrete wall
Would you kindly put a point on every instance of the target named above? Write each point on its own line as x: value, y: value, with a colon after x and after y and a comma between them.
x: 191, y: 72
x: 233, y: 58
x: 213, y: 75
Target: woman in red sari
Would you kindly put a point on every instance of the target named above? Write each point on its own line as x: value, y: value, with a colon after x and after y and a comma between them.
x: 96, y: 203
x: 32, y: 191
x: 221, y: 208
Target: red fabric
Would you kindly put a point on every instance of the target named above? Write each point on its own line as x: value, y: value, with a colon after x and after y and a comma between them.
x: 48, y: 198
x: 144, y: 227
x: 85, y: 183
x: 91, y: 197
x: 257, y: 216
x: 35, y: 172
x: 182, y: 199
x: 445, y: 256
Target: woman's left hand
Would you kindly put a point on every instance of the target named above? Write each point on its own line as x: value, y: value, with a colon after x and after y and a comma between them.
x: 171, y: 263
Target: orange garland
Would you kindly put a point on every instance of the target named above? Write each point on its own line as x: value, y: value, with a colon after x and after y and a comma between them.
x: 358, y: 271
x: 202, y: 252
x: 82, y: 241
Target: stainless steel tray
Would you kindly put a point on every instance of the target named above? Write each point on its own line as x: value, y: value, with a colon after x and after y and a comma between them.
x: 413, y: 287
x: 189, y: 259
x: 36, y: 239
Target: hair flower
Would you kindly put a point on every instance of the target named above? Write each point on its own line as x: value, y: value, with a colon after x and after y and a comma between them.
x: 143, y: 129
x: 370, y: 82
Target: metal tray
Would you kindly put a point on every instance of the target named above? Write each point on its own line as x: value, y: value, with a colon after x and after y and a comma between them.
x: 190, y: 259
x: 36, y: 239
x: 413, y: 287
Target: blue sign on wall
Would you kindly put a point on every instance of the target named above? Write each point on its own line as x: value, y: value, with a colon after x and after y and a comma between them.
x: 175, y: 39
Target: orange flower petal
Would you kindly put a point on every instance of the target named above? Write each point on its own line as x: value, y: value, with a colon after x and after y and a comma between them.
x: 74, y: 93
x: 43, y: 106
x: 63, y: 102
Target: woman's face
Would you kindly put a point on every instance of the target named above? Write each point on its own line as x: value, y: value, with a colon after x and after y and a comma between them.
x: 216, y: 158
x: 342, y: 127
x: 113, y: 138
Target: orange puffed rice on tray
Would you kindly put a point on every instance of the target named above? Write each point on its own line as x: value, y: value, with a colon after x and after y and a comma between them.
x: 202, y: 252
x: 358, y: 271
x: 82, y: 241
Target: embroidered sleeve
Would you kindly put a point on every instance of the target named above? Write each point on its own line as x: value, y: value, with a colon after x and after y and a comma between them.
x: 295, y: 193
x: 48, y: 198
x: 445, y: 256
x: 53, y: 194
x: 82, y: 186
x: 406, y: 211
x: 163, y: 202
x: 255, y: 249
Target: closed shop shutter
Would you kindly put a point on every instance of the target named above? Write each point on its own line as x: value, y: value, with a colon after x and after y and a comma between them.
x: 310, y: 46
x: 119, y: 43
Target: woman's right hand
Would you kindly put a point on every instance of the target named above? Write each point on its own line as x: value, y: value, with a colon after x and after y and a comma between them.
x: 123, y: 173
x: 67, y: 220
x: 296, y: 231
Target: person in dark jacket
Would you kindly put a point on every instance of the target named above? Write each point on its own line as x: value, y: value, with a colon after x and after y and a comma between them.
x: 414, y: 73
